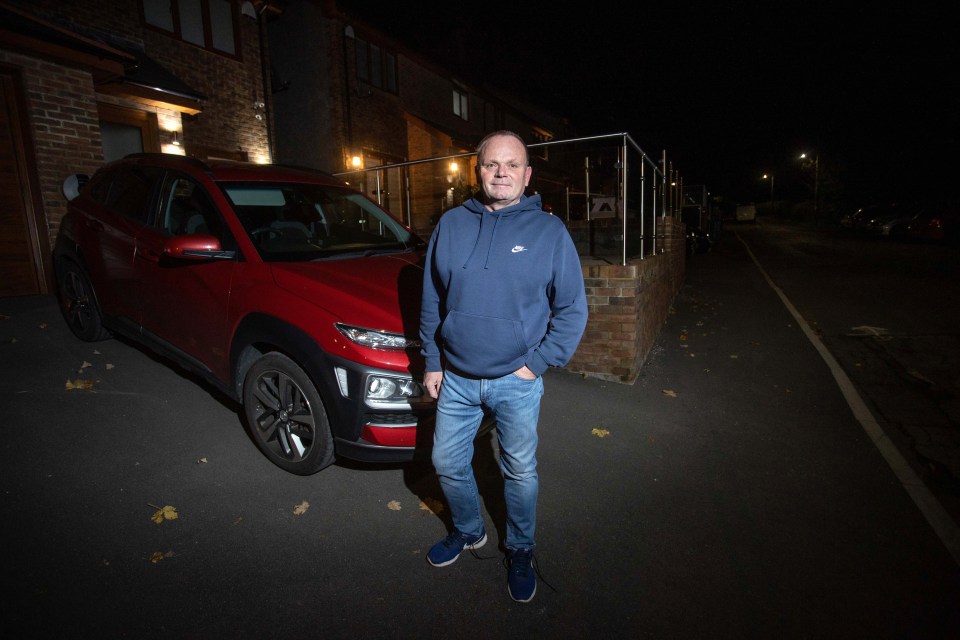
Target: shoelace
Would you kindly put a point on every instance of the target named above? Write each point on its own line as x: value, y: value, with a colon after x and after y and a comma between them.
x: 458, y: 539
x: 522, y: 565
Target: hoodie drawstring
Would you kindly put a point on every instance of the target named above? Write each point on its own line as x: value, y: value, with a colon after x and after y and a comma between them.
x: 484, y: 215
x: 493, y: 236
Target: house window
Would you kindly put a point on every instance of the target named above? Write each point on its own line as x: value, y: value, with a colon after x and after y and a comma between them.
x: 376, y: 66
x: 206, y: 23
x: 460, y: 105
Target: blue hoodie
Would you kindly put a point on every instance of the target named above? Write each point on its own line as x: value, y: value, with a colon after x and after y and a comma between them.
x: 501, y: 289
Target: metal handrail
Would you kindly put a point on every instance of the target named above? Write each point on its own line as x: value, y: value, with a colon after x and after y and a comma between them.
x: 626, y: 142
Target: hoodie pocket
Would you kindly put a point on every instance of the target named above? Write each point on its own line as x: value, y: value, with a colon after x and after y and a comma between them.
x: 482, y: 341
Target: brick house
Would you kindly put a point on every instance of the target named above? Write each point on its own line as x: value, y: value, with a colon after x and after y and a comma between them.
x: 295, y: 82
x: 348, y: 96
x: 88, y: 81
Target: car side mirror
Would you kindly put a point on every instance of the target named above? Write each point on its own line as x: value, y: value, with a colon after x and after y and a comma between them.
x: 196, y: 246
x: 74, y: 184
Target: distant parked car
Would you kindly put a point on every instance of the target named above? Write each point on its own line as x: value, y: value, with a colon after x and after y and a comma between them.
x: 746, y: 213
x: 289, y: 291
x: 867, y: 218
x: 891, y: 222
x: 851, y: 220
x: 936, y: 223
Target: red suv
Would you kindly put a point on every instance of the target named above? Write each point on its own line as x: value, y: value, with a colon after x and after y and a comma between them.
x: 291, y: 292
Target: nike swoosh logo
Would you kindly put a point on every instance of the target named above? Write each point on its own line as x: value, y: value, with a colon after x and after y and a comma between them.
x: 518, y: 249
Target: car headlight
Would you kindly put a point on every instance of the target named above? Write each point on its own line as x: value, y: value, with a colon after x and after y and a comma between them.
x: 389, y: 392
x: 376, y: 339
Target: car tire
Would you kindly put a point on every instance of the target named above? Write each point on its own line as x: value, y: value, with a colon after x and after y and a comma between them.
x: 78, y: 304
x: 286, y: 417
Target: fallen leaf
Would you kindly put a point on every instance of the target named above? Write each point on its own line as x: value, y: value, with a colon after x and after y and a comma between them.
x: 734, y: 356
x: 202, y: 461
x: 165, y: 513
x: 600, y: 433
x: 79, y: 384
x: 301, y: 508
x: 432, y: 505
x: 157, y: 556
x: 85, y: 365
x: 109, y: 366
x: 42, y: 325
x: 670, y: 393
x: 394, y: 505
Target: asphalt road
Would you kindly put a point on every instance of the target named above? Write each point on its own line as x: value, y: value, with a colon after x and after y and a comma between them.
x: 731, y: 492
x: 889, y: 313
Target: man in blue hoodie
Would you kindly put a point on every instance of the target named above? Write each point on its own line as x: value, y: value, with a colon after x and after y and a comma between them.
x: 503, y: 300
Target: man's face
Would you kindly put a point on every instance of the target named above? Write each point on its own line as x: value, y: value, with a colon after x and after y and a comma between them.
x: 503, y: 172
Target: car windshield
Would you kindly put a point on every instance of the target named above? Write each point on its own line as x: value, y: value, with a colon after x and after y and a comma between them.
x: 296, y: 222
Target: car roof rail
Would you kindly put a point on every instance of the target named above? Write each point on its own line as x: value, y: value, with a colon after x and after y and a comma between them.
x: 200, y: 164
x: 303, y: 167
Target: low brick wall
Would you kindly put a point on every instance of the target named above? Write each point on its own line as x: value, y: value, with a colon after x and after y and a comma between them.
x: 628, y: 306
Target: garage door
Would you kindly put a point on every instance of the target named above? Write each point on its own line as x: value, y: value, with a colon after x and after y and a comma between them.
x: 21, y: 265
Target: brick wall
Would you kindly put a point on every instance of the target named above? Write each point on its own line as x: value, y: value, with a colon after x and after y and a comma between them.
x: 62, y: 102
x: 231, y: 86
x: 628, y: 306
x: 66, y: 131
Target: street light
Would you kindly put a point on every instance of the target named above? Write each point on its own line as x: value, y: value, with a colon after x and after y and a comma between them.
x: 816, y: 182
x: 769, y: 176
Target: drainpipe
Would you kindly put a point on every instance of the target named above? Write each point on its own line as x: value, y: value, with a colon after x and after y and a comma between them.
x: 265, y: 78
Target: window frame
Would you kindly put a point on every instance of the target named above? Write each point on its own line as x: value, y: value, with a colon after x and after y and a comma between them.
x: 461, y: 104
x: 376, y: 65
x: 207, y: 26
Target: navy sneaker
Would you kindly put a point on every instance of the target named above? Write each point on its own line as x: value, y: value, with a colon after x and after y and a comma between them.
x: 521, y: 581
x: 448, y: 550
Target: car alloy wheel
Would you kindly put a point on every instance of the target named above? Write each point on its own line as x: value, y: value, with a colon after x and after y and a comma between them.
x: 286, y: 417
x: 79, y: 306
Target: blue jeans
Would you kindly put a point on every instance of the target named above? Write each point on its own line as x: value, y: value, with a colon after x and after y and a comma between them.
x: 515, y: 403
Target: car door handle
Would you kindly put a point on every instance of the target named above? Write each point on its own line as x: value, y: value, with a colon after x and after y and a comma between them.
x: 148, y: 254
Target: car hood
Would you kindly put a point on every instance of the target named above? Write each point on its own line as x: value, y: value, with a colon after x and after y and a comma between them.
x: 375, y: 292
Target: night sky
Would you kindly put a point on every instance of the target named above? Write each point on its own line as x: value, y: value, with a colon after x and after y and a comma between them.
x: 729, y: 90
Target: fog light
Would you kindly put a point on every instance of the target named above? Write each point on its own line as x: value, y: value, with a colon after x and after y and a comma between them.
x: 342, y: 381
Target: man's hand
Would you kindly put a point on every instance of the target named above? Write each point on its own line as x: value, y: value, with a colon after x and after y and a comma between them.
x: 431, y: 382
x: 525, y: 373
